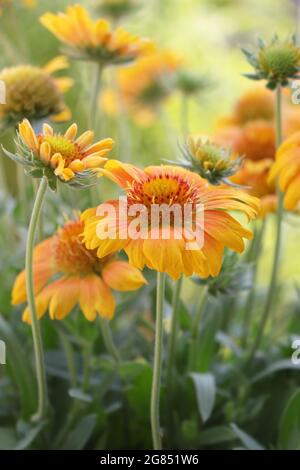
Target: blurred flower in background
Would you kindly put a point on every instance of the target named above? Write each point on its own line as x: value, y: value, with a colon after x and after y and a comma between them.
x: 35, y: 93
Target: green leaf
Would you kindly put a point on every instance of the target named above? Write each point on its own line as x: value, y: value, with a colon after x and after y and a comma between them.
x: 80, y: 435
x: 205, y: 388
x: 19, y: 369
x: 29, y: 437
x: 215, y: 435
x: 248, y: 441
x: 284, y: 364
x: 289, y: 428
x: 8, y: 438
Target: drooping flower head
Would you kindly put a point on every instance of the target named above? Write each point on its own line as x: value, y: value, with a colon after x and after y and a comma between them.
x: 191, y: 83
x: 253, y: 175
x: 164, y: 245
x: 211, y: 161
x: 66, y: 273
x: 65, y: 157
x: 276, y: 62
x: 86, y: 39
x: 34, y: 93
x: 116, y: 9
x: 287, y: 170
x: 144, y: 85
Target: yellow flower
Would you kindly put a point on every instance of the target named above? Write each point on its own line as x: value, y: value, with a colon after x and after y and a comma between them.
x: 66, y: 273
x: 73, y: 160
x: 87, y: 39
x: 34, y: 93
x: 164, y: 248
x: 287, y: 170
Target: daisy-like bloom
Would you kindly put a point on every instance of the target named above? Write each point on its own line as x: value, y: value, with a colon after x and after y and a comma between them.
x: 276, y: 62
x: 116, y: 9
x: 254, y: 176
x: 191, y: 83
x: 214, y: 163
x: 34, y: 93
x: 66, y: 273
x: 70, y: 158
x: 286, y: 170
x: 86, y: 39
x: 151, y: 245
x: 144, y: 85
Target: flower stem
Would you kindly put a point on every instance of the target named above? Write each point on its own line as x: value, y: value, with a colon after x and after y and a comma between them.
x: 274, y: 274
x: 108, y: 339
x: 156, y: 380
x: 185, y: 115
x: 196, y: 328
x: 93, y: 114
x: 35, y: 326
x: 173, y: 333
x: 253, y: 258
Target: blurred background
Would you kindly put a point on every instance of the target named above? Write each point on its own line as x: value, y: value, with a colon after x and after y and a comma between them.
x: 206, y: 36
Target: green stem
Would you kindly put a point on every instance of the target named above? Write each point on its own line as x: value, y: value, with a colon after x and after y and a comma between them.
x: 196, y: 328
x: 156, y: 380
x: 35, y: 325
x: 274, y: 274
x: 168, y: 129
x: 185, y: 115
x: 173, y: 333
x: 255, y: 253
x: 108, y: 339
x: 40, y: 221
x: 94, y: 107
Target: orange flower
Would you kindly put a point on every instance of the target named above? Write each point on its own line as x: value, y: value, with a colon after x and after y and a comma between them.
x: 87, y: 39
x: 255, y: 103
x: 66, y: 273
x: 173, y: 187
x: 287, y: 169
x: 254, y: 176
x: 256, y: 140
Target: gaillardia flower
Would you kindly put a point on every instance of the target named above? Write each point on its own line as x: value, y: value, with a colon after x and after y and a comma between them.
x: 287, y: 170
x: 255, y: 104
x: 116, y: 9
x: 276, y: 62
x: 209, y: 160
x: 191, y: 83
x: 66, y: 273
x: 34, y: 93
x: 165, y: 247
x: 66, y: 157
x: 86, y: 39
